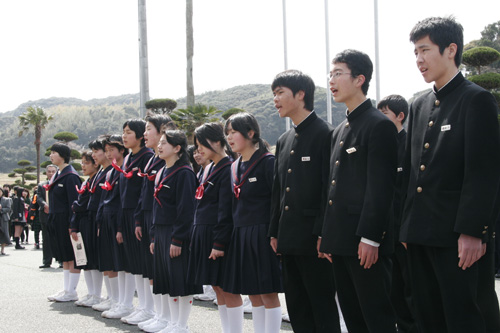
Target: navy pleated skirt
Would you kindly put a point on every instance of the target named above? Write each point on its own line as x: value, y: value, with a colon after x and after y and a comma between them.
x: 131, y: 244
x: 110, y: 253
x: 88, y: 229
x: 58, y: 227
x: 146, y: 256
x: 201, y: 270
x: 170, y: 274
x: 252, y: 267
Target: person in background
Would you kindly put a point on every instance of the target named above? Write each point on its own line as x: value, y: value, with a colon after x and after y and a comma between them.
x: 5, y: 211
x: 395, y: 108
x: 43, y: 207
x: 34, y: 219
x: 18, y: 216
x: 26, y: 228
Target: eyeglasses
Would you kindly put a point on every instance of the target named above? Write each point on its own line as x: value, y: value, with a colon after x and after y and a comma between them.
x: 336, y: 75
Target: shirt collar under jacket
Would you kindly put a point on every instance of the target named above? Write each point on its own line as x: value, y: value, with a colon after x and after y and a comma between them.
x: 434, y: 86
x: 295, y: 126
x: 359, y: 109
x: 304, y: 123
x: 449, y: 87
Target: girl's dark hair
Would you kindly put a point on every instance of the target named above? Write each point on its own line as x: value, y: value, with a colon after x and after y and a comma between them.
x: 63, y: 150
x: 178, y: 138
x: 116, y: 141
x: 98, y: 144
x: 194, y: 165
x: 19, y: 192
x: 5, y: 193
x: 138, y: 126
x: 245, y: 122
x: 158, y: 120
x: 88, y: 156
x: 213, y: 132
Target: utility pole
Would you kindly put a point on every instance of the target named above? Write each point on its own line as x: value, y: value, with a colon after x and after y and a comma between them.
x: 143, y: 58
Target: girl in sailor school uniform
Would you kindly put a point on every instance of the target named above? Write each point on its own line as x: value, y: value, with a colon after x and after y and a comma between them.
x: 80, y: 222
x: 130, y: 191
x: 110, y: 246
x: 62, y: 193
x: 173, y: 211
x: 95, y: 189
x: 252, y: 267
x: 143, y: 220
x: 213, y: 222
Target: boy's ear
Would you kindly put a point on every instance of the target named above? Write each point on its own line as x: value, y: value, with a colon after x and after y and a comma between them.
x: 401, y: 117
x: 360, y: 80
x: 452, y: 50
x: 300, y: 94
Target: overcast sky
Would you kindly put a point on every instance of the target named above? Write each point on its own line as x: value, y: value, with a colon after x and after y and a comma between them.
x: 89, y: 49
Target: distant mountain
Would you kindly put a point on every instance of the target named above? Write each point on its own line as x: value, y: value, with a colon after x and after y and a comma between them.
x: 88, y: 119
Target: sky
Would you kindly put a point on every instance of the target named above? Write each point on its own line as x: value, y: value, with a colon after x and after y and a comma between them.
x: 89, y: 48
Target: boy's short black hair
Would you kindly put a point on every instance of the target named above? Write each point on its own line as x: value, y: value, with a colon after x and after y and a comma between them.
x: 295, y: 81
x: 359, y: 63
x: 396, y: 104
x: 442, y: 31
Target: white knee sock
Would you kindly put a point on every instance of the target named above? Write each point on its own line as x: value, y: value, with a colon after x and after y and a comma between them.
x: 148, y: 296
x: 273, y: 320
x: 185, y: 305
x: 235, y: 319
x: 97, y: 281
x: 66, y: 279
x: 139, y: 286
x: 223, y: 318
x: 128, y: 297
x: 173, y: 303
x: 89, y: 282
x: 108, y: 286
x: 114, y: 287
x: 165, y: 307
x: 73, y: 281
x: 157, y: 301
x: 258, y: 318
x: 121, y: 286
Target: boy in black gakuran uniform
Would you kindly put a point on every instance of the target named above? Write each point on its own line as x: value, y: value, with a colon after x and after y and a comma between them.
x: 300, y: 172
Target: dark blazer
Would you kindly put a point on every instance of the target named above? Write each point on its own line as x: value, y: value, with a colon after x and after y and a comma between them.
x: 398, y: 193
x: 41, y: 201
x: 452, y: 165
x: 300, y: 176
x: 130, y: 188
x: 174, y: 201
x: 255, y: 184
x: 361, y: 185
x: 214, y: 207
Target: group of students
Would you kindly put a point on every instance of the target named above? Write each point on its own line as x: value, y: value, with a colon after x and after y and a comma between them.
x: 323, y: 216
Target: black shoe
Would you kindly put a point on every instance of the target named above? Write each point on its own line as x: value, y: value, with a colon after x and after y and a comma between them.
x: 19, y: 247
x: 37, y: 246
x: 60, y: 265
x: 497, y: 275
x: 44, y: 266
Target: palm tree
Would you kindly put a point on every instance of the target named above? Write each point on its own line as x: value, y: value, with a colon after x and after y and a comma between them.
x: 193, y: 116
x: 37, y: 118
x: 189, y: 53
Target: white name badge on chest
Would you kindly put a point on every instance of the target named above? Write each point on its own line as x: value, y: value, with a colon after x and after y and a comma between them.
x: 445, y: 128
x: 306, y: 158
x: 60, y: 185
x: 252, y: 180
x: 400, y: 169
x: 351, y: 150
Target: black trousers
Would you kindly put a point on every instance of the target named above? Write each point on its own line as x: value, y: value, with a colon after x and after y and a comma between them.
x: 47, y: 251
x: 445, y: 296
x: 364, y: 294
x: 401, y: 291
x: 310, y: 294
x: 487, y: 298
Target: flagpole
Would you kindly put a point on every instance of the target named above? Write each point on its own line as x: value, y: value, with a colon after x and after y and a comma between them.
x: 287, y: 120
x: 377, y: 66
x: 328, y: 91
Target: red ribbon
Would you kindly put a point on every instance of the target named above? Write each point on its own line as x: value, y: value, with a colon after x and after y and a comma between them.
x: 47, y: 187
x: 199, y: 191
x: 157, y: 189
x: 127, y: 175
x: 107, y: 186
x: 237, y: 190
x: 81, y: 190
x: 150, y: 177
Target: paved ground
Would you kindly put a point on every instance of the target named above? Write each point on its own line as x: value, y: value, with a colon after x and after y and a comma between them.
x: 24, y: 306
